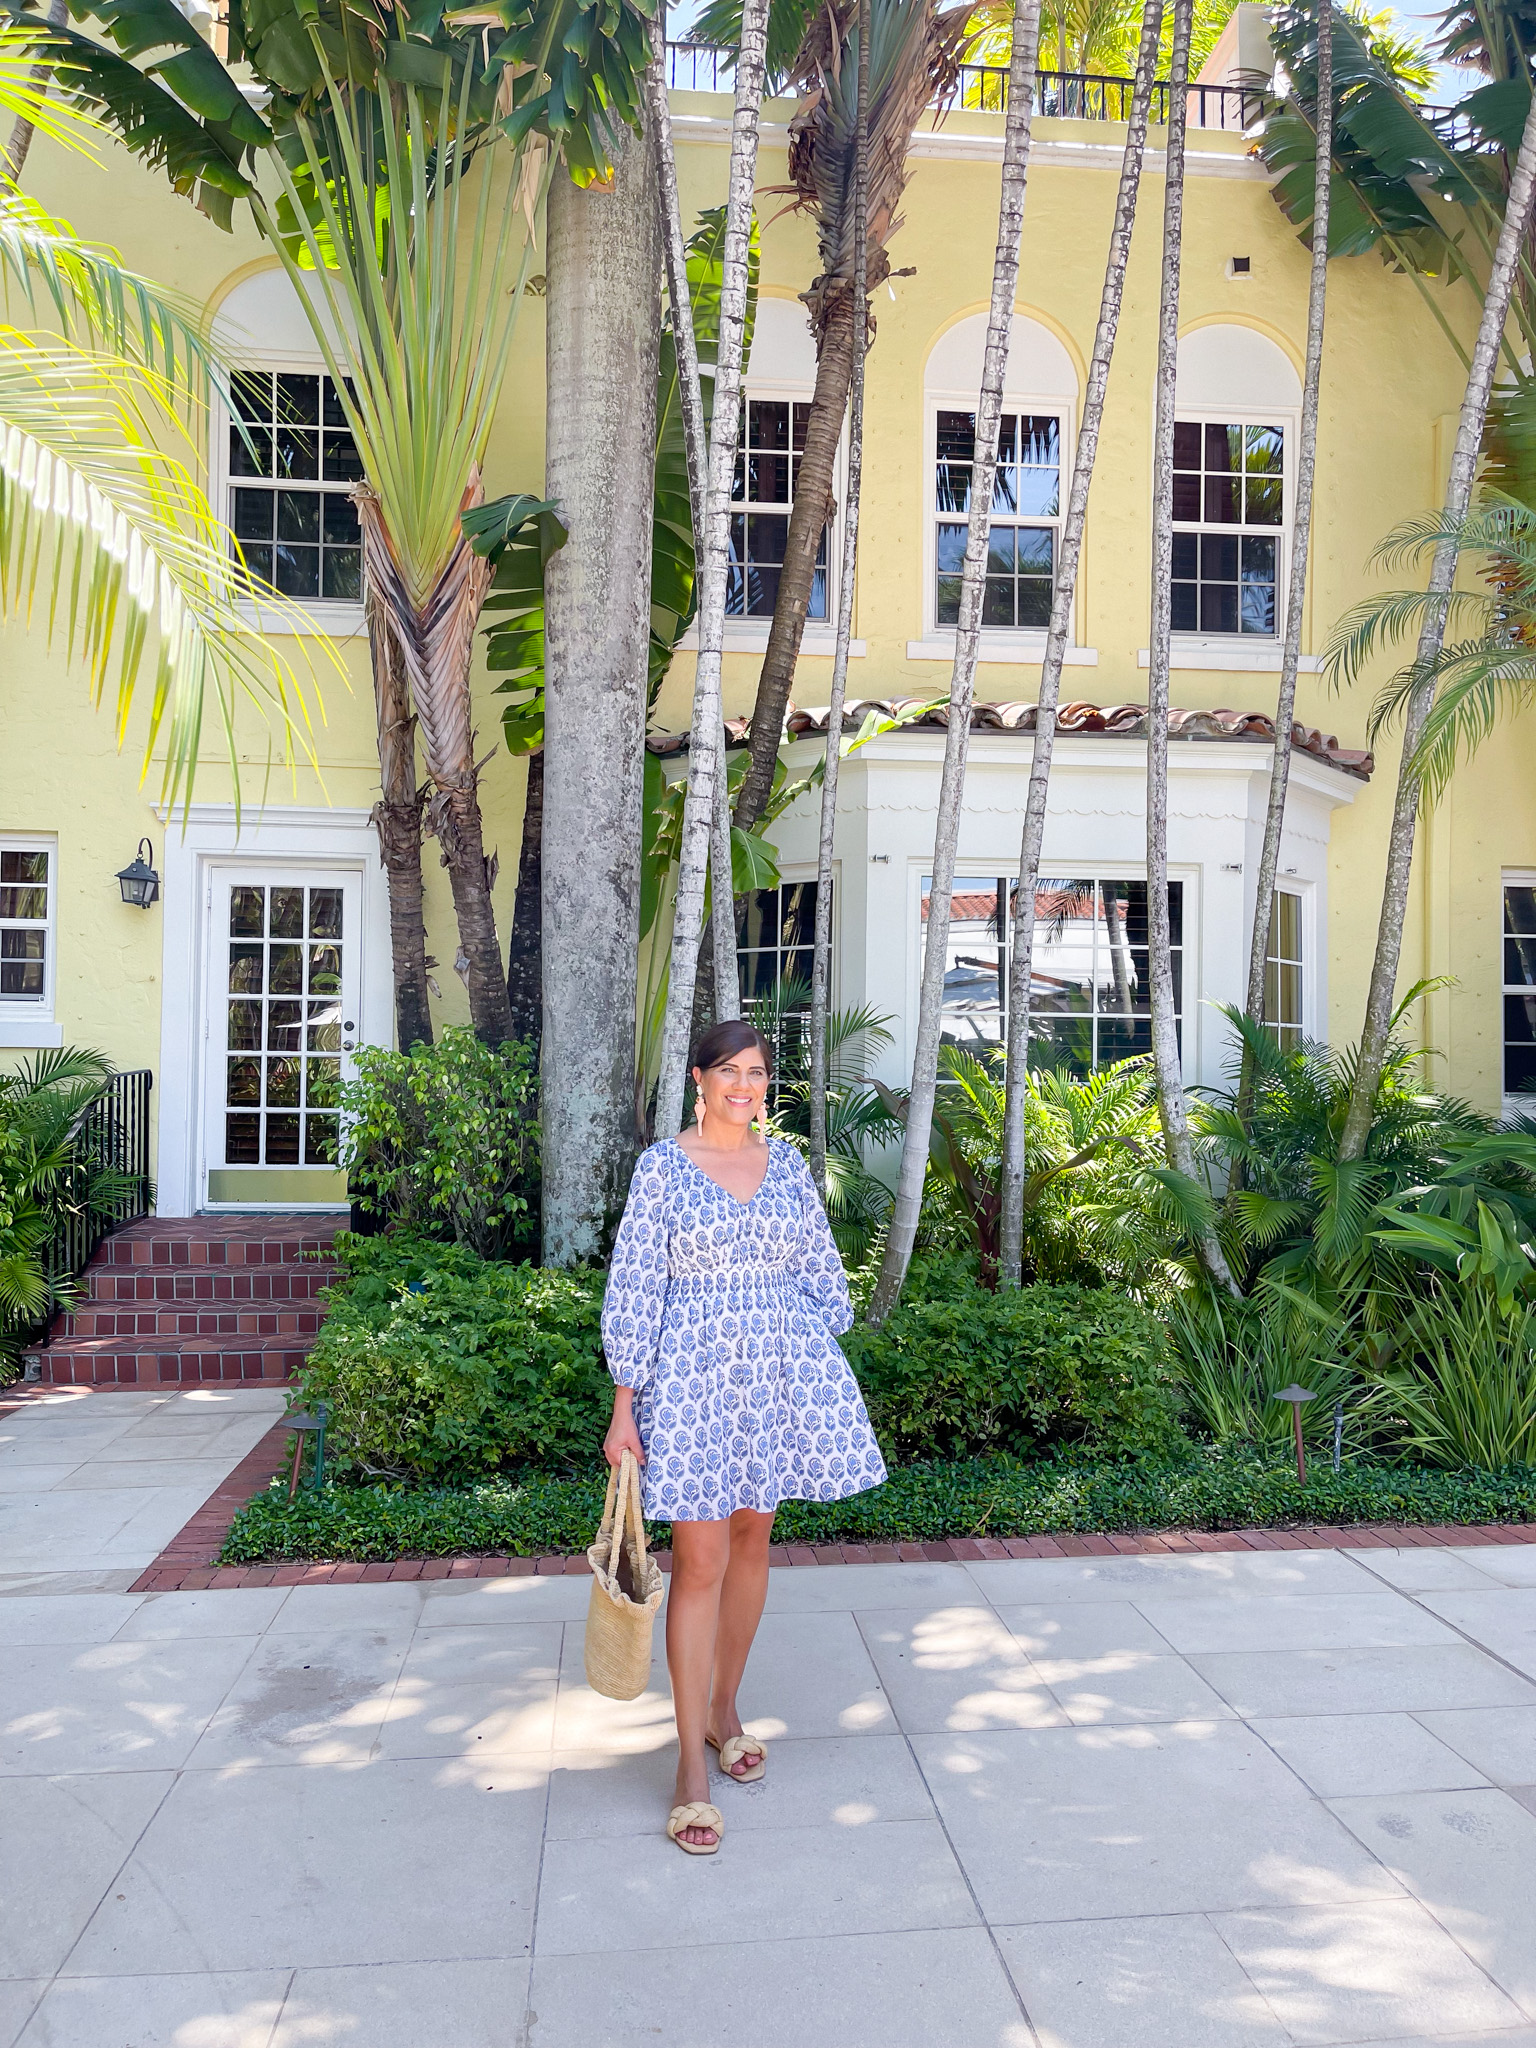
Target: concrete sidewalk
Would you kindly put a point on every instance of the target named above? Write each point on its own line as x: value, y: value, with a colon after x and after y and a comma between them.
x: 95, y: 1483
x: 1227, y: 1801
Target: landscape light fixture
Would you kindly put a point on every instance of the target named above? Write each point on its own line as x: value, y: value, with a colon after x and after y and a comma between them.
x: 1296, y: 1396
x: 138, y: 881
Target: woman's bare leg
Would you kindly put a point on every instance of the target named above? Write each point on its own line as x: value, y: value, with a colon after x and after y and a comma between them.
x: 742, y: 1593
x: 701, y: 1553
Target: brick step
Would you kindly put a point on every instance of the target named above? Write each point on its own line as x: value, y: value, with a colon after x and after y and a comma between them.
x: 299, y: 1320
x: 158, y: 1361
x: 233, y: 1243
x: 187, y: 1287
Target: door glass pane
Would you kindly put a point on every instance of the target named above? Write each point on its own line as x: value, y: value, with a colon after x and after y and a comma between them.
x: 287, y: 959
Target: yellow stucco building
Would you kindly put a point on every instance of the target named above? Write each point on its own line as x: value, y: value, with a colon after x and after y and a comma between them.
x: 151, y: 988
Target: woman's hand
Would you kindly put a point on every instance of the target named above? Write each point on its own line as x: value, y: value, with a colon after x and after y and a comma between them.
x: 622, y: 1434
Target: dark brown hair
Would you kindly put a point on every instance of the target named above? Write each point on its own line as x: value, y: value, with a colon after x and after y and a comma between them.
x: 723, y: 1041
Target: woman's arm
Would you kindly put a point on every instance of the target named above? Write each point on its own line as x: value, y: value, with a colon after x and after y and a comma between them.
x: 622, y: 1434
x: 822, y: 1277
x: 636, y: 1294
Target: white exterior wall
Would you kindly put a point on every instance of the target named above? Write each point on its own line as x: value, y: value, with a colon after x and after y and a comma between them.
x: 1096, y: 823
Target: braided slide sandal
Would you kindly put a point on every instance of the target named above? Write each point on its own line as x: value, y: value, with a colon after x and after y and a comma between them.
x: 697, y: 1814
x: 733, y: 1749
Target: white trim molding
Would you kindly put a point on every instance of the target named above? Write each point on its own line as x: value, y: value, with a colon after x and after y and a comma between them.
x: 939, y: 645
x: 1236, y: 654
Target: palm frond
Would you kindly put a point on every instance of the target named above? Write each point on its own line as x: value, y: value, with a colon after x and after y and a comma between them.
x: 112, y: 537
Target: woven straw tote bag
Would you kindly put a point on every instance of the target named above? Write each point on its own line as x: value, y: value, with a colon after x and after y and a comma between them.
x: 627, y: 1589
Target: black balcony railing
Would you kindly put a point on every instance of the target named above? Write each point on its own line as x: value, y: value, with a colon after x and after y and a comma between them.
x: 983, y: 88
x: 111, y: 1136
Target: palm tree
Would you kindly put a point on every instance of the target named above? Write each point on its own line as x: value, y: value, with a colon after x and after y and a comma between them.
x: 602, y: 343
x: 1376, y: 1033
x: 1005, y: 280
x: 1165, y: 1028
x: 706, y: 754
x: 915, y: 50
x: 359, y: 99
x: 821, y: 958
x: 92, y: 499
x: 1306, y: 464
x: 1020, y: 976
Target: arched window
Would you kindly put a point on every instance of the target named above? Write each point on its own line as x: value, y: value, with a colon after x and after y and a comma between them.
x: 1034, y: 459
x: 1237, y: 411
x: 281, y: 474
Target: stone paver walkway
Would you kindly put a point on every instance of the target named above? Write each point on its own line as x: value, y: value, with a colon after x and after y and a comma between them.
x: 1206, y: 1801
x: 97, y: 1484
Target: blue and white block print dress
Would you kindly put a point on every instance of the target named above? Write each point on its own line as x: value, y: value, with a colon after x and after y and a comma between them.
x: 722, y: 1316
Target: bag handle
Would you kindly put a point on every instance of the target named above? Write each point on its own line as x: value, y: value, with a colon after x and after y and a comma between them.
x: 630, y: 1473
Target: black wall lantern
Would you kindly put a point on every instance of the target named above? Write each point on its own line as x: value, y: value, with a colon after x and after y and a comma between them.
x: 139, y: 882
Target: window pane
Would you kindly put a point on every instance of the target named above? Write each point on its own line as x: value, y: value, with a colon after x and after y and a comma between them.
x: 332, y: 411
x: 323, y: 1032
x: 768, y: 423
x: 297, y: 453
x: 1520, y: 1020
x: 343, y: 464
x: 1186, y: 497
x: 245, y: 970
x: 298, y: 400
x: 1264, y: 497
x: 251, y: 393
x: 342, y: 571
x: 282, y: 1141
x: 1218, y: 608
x: 1222, y: 500
x: 1218, y: 557
x: 325, y: 913
x: 767, y: 536
x: 298, y: 515
x: 19, y: 864
x: 956, y: 436
x: 244, y: 1027
x: 767, y: 479
x: 1263, y: 450
x: 1520, y: 962
x: 250, y: 453
x: 283, y: 1082
x: 997, y: 608
x: 1258, y: 609
x: 30, y: 905
x: 1520, y: 908
x: 253, y: 514
x: 947, y: 610
x: 1285, y: 927
x: 320, y: 1147
x: 287, y: 970
x: 325, y: 970
x: 287, y: 914
x: 1000, y: 551
x: 298, y: 571
x: 1034, y: 602
x: 951, y: 551
x: 1520, y: 1070
x: 799, y: 913
x: 284, y: 1024
x: 1223, y: 448
x: 952, y: 488
x: 247, y: 913
x: 242, y: 1140
x: 1186, y: 445
x: 242, y: 1083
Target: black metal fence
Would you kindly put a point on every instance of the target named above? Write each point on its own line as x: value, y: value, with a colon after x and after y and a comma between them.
x: 983, y: 88
x: 111, y: 1138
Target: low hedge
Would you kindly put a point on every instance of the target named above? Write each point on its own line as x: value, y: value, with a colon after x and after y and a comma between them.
x: 960, y: 1371
x: 442, y: 1368
x: 996, y: 1496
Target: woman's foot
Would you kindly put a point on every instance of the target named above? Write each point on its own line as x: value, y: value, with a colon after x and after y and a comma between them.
x: 724, y: 1722
x: 693, y: 1789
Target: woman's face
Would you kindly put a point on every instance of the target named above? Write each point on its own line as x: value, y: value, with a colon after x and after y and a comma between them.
x: 733, y: 1092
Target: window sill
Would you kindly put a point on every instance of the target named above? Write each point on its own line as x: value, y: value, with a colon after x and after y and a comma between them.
x: 27, y: 1034
x: 337, y: 621
x: 1262, y: 656
x: 752, y: 638
x: 1013, y: 647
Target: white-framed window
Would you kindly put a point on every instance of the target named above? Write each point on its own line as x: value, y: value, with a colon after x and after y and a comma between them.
x: 289, y: 465
x: 1090, y: 1001
x: 776, y: 940
x: 28, y: 909
x: 768, y: 459
x: 1285, y: 970
x: 1520, y: 986
x: 1026, y: 517
x: 1229, y: 510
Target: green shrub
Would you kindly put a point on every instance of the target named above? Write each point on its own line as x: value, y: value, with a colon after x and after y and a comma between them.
x: 955, y: 1370
x: 1464, y: 1392
x: 440, y: 1366
x: 443, y: 1139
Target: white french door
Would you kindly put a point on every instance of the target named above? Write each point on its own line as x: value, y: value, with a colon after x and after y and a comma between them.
x: 281, y: 1021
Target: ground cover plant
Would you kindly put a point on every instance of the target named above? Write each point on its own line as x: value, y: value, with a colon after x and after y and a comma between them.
x: 995, y: 1496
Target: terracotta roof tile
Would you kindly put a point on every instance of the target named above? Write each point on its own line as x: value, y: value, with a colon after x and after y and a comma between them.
x: 1116, y: 721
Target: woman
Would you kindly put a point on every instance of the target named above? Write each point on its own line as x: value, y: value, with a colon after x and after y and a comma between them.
x: 724, y: 1298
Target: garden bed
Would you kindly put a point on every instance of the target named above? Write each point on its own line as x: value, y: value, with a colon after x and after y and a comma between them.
x: 920, y: 1503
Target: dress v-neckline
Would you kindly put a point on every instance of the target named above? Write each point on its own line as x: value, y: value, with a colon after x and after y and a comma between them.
x: 724, y: 1190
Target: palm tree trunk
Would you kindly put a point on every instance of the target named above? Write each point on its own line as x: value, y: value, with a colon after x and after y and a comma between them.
x: 19, y: 147
x: 396, y: 817
x: 1005, y: 279
x: 1376, y: 1035
x: 808, y: 517
x: 1306, y: 465
x: 432, y: 643
x: 525, y: 945
x: 1165, y: 1030
x: 821, y: 959
x: 720, y: 942
x: 706, y: 751
x: 603, y: 332
x: 1011, y: 1257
